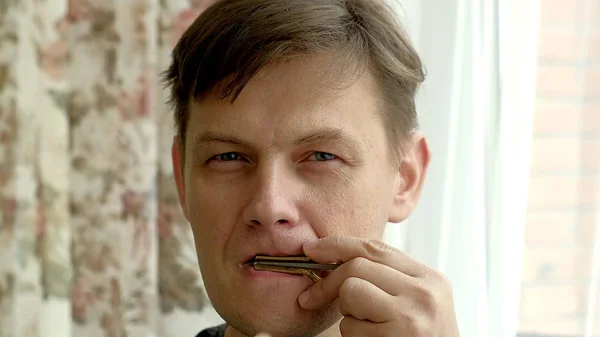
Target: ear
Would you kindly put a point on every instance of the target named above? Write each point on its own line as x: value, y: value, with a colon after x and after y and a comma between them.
x: 177, y: 158
x: 410, y: 178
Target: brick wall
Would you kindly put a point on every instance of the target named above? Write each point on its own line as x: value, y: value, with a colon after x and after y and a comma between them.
x: 565, y: 171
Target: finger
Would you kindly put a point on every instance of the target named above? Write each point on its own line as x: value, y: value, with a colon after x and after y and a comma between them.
x: 385, y: 278
x: 353, y: 327
x: 365, y: 301
x: 345, y: 248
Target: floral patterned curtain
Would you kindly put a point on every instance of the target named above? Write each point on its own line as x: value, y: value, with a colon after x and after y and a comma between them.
x: 92, y: 241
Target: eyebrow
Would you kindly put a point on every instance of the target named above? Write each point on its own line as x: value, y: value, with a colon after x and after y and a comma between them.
x: 326, y: 134
x: 213, y: 137
x: 321, y: 135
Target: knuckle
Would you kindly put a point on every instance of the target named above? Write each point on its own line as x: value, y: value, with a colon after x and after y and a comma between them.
x: 418, y: 325
x: 356, y: 265
x: 438, y: 276
x: 377, y: 248
x: 431, y: 301
x: 442, y: 282
x: 428, y: 298
x: 445, y: 281
x: 349, y: 287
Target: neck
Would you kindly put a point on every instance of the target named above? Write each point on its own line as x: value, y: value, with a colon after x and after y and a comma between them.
x: 332, y: 331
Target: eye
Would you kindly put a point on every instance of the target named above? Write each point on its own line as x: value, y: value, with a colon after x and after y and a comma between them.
x: 322, y: 156
x: 228, y: 156
x: 227, y: 162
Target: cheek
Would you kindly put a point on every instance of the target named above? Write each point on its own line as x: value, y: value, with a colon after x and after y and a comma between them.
x: 211, y: 201
x: 349, y: 209
x: 212, y: 213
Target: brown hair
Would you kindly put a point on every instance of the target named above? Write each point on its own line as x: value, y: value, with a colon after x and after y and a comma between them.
x: 233, y: 39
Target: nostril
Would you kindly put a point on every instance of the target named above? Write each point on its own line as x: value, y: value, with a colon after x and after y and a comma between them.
x: 278, y: 222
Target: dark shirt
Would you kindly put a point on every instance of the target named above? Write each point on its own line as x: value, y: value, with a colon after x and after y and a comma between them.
x: 217, y: 331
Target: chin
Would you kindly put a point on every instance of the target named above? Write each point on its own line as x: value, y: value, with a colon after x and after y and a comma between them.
x: 275, y: 312
x: 286, y: 324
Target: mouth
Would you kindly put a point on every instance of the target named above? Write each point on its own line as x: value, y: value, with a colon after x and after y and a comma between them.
x: 298, y: 265
x: 266, y: 258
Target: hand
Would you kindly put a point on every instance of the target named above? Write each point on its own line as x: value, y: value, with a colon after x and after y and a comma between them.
x: 381, y: 290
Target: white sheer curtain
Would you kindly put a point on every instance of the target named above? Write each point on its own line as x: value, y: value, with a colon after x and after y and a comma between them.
x: 476, y: 109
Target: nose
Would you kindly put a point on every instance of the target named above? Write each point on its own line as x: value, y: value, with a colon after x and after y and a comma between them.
x: 273, y: 202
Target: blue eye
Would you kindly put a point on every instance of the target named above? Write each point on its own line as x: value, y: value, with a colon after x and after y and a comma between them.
x: 229, y: 156
x: 322, y: 156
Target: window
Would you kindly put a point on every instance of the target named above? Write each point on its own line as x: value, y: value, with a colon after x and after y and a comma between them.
x: 563, y: 197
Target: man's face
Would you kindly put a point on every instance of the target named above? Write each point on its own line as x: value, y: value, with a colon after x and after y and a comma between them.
x: 292, y: 160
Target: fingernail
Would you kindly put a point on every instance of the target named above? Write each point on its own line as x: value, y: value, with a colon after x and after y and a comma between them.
x: 304, y: 297
x: 311, y: 245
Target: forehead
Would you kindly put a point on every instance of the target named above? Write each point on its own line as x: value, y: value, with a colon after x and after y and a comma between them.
x: 294, y: 97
